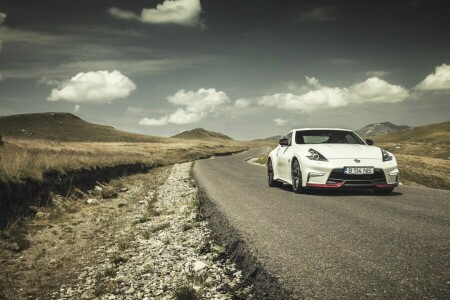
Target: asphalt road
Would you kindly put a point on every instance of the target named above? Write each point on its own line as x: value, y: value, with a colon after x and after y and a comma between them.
x: 336, y: 245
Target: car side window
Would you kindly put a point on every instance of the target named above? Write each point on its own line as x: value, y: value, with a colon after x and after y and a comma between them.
x: 289, y: 137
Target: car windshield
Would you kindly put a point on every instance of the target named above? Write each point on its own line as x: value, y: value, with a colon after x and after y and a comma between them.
x: 327, y: 137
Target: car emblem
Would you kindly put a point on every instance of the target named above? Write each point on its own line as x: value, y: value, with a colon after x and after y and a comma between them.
x: 357, y: 160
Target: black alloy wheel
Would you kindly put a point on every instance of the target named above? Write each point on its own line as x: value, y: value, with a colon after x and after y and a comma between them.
x: 296, y: 177
x: 272, y: 182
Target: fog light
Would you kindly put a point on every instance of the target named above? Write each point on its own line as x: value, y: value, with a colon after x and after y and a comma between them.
x: 393, y: 173
x: 315, y: 174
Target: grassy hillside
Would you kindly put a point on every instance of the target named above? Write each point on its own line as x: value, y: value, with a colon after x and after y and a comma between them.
x: 423, y: 154
x: 380, y: 129
x: 22, y: 158
x: 272, y: 139
x: 434, y: 133
x: 65, y: 127
x: 201, y: 134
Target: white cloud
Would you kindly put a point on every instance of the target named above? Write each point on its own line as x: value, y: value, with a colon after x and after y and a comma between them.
x: 77, y: 108
x: 153, y: 122
x: 439, y: 80
x: 322, y: 97
x: 199, y: 101
x: 181, y: 116
x: 181, y: 12
x: 146, y: 66
x: 312, y: 81
x: 48, y: 81
x: 377, y: 90
x: 35, y: 38
x: 241, y: 103
x: 2, y: 18
x: 280, y: 122
x: 94, y: 86
x: 198, y: 105
x: 377, y: 73
x: 123, y: 14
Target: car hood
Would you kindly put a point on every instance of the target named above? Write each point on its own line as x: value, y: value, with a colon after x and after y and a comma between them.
x: 338, y: 151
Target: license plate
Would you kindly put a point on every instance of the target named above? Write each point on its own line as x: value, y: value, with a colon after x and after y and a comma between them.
x: 358, y: 170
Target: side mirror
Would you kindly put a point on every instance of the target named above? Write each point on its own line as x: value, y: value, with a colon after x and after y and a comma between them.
x: 283, y: 142
x: 369, y: 142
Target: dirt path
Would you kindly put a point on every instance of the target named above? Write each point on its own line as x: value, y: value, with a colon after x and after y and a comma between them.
x: 148, y: 243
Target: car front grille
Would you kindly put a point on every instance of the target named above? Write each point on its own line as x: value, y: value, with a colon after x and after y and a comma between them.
x: 337, y: 176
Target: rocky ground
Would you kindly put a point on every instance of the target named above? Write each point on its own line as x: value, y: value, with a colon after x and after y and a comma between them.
x: 147, y: 241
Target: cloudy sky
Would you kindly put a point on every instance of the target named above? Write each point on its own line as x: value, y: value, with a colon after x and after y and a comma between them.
x: 246, y: 68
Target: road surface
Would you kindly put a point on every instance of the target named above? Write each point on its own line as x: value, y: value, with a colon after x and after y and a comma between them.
x: 336, y: 245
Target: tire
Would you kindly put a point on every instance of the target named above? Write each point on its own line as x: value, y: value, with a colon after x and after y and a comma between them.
x: 272, y: 182
x: 383, y: 191
x: 296, y: 174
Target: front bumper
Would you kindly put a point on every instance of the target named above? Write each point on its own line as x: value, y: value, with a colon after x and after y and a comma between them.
x: 330, y: 175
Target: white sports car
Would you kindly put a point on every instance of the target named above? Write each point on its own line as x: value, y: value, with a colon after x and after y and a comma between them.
x: 331, y: 158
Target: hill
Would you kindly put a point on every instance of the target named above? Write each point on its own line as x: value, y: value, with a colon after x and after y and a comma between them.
x: 380, y: 129
x: 201, y: 134
x: 275, y: 139
x: 433, y: 134
x: 65, y: 127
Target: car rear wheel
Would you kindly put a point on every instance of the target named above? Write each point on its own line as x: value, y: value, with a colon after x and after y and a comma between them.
x: 272, y: 182
x: 383, y: 191
x: 296, y: 177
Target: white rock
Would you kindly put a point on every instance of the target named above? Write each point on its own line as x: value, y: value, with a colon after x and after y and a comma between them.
x: 92, y: 201
x: 199, y: 265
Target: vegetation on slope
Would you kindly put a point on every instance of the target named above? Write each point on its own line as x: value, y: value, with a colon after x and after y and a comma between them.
x: 65, y: 127
x: 201, y: 134
x: 20, y: 158
x: 431, y: 134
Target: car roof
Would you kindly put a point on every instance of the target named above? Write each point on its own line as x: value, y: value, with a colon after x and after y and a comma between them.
x: 303, y: 129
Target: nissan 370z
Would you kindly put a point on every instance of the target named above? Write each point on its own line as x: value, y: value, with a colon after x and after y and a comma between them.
x: 330, y: 158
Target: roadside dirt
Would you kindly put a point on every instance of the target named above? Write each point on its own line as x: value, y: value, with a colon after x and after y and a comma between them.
x: 63, y: 239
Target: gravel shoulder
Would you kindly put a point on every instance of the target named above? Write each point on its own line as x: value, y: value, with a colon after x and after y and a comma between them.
x: 149, y: 242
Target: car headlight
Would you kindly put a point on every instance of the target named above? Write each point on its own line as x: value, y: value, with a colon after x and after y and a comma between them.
x: 386, y: 156
x: 315, y: 155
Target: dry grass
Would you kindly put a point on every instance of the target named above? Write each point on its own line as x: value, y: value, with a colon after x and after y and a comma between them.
x: 424, y: 164
x: 418, y: 149
x: 424, y: 171
x: 20, y: 158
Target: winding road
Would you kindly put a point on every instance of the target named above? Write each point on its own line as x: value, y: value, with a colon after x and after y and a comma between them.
x: 340, y: 244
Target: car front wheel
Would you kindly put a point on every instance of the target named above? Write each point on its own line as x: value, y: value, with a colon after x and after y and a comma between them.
x: 296, y: 177
x: 272, y: 182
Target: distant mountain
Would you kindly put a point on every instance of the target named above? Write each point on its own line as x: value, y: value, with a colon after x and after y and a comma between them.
x: 201, y: 134
x: 275, y: 138
x: 65, y: 127
x: 380, y: 129
x: 434, y: 134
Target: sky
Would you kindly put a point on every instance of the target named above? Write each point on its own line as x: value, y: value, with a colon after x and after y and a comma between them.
x: 246, y: 68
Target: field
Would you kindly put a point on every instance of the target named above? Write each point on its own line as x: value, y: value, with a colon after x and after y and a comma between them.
x: 28, y: 158
x: 422, y: 164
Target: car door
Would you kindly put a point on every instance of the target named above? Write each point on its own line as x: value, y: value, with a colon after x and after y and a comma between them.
x: 283, y: 159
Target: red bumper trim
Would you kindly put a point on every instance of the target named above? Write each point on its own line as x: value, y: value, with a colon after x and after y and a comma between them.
x: 326, y: 186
